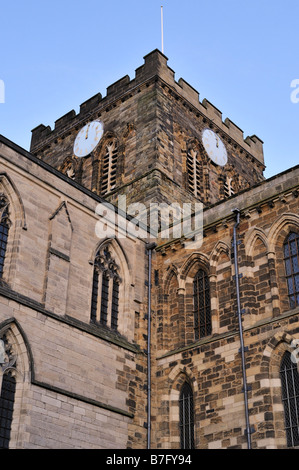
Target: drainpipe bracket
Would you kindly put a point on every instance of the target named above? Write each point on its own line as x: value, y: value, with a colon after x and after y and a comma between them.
x: 242, y: 312
x: 248, y: 388
x: 251, y: 430
x: 239, y: 276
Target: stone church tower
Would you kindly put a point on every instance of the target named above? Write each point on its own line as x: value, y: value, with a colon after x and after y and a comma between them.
x: 143, y: 340
x: 153, y: 142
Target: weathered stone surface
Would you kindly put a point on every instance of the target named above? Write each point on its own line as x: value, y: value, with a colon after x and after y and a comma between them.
x: 83, y: 384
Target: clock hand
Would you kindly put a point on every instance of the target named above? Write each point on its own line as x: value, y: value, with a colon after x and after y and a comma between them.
x: 86, y: 135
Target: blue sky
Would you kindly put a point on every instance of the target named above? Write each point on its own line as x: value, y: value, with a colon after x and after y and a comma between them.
x: 241, y: 56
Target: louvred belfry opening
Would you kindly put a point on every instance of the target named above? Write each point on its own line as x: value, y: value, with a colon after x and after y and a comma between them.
x: 109, y: 168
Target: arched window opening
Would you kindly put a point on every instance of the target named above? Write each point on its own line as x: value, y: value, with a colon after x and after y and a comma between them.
x: 291, y: 259
x: 7, y: 390
x: 4, y: 229
x: 7, y: 399
x: 290, y: 398
x: 186, y: 417
x: 202, y: 307
x: 106, y: 280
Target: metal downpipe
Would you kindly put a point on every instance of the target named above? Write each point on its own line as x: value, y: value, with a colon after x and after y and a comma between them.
x: 242, y: 348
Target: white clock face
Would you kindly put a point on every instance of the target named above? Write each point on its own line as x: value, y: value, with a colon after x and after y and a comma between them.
x: 214, y: 147
x: 88, y: 138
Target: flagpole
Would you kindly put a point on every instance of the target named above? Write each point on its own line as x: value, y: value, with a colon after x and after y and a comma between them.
x: 162, y: 38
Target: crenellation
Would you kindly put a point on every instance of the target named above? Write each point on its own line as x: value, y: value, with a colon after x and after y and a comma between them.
x: 257, y: 145
x: 119, y: 87
x: 90, y: 104
x: 187, y: 91
x: 155, y: 65
x: 39, y: 134
x: 235, y: 131
x: 212, y: 112
x: 65, y: 120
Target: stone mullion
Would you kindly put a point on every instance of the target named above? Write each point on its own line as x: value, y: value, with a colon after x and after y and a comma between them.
x: 95, y: 175
x: 214, y: 303
x: 273, y: 284
x: 110, y: 293
x: 160, y: 319
x: 120, y: 168
x: 206, y: 184
x: 182, y: 319
x: 189, y: 314
x: 99, y: 299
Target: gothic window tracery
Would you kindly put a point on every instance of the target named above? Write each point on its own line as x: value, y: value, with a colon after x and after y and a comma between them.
x: 69, y: 168
x: 291, y: 259
x: 4, y: 229
x: 290, y: 397
x: 231, y: 183
x: 202, y: 308
x: 7, y: 390
x: 105, y: 290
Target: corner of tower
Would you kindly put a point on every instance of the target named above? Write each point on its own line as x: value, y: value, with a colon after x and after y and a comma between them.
x: 155, y: 63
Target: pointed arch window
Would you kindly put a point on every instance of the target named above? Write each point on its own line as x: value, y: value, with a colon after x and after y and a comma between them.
x: 290, y: 398
x: 186, y: 417
x: 202, y: 308
x: 291, y: 259
x: 105, y: 290
x: 109, y: 167
x: 4, y: 229
x: 7, y: 399
x: 7, y: 390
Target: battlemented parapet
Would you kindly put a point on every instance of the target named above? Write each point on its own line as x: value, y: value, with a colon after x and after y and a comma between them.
x: 155, y: 66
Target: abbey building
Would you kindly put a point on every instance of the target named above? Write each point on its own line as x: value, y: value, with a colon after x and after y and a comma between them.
x: 115, y: 335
